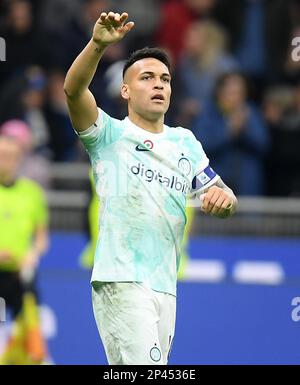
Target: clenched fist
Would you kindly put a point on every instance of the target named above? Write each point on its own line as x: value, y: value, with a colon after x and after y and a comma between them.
x: 218, y: 202
x: 111, y: 28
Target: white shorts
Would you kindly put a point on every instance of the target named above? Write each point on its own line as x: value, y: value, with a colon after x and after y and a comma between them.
x: 136, y: 324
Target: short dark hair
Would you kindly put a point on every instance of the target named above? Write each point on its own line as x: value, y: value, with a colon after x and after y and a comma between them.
x: 222, y: 79
x: 147, y: 52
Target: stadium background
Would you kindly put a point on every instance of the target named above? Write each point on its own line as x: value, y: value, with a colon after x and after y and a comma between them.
x: 235, y: 304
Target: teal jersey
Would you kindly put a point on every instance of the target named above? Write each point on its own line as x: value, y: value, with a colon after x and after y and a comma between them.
x: 142, y: 180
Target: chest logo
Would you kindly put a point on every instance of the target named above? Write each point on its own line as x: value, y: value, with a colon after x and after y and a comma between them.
x: 184, y: 165
x: 147, y: 146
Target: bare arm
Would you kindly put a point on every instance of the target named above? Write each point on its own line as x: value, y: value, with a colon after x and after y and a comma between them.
x: 39, y: 247
x: 109, y: 29
x: 219, y: 200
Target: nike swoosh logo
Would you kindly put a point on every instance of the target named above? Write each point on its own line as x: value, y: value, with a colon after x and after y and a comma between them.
x: 141, y: 148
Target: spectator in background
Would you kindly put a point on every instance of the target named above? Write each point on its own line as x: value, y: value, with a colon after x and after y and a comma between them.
x: 25, y: 43
x: 33, y: 103
x: 64, y: 145
x: 55, y: 13
x: 260, y: 34
x: 114, y: 104
x: 234, y: 135
x: 282, y: 112
x: 146, y: 14
x: 73, y: 35
x: 203, y: 60
x: 34, y: 166
x: 176, y: 17
x: 76, y: 34
x: 23, y: 98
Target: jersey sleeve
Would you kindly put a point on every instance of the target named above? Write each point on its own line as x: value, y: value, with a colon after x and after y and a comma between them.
x: 103, y: 132
x: 204, y: 176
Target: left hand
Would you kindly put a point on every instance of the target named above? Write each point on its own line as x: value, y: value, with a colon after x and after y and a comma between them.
x: 218, y: 202
x: 31, y: 260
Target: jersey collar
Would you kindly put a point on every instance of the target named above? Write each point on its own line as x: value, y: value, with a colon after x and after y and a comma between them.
x: 141, y: 130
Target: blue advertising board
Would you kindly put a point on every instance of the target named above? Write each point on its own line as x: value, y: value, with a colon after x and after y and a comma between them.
x: 224, y: 321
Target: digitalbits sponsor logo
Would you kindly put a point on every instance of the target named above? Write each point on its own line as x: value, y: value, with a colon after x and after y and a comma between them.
x: 296, y: 311
x: 172, y: 181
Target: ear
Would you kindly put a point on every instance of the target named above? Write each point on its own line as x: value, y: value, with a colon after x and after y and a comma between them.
x: 125, y: 91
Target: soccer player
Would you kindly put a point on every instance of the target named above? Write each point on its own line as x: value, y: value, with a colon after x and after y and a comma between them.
x: 143, y: 170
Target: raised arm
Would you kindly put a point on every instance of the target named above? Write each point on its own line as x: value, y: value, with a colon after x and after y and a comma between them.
x: 39, y: 246
x: 109, y: 29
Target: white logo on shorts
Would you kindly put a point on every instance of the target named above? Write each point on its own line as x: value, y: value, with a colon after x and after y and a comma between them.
x: 155, y: 354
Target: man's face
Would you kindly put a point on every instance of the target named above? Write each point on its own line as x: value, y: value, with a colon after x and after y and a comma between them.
x: 147, y: 88
x: 233, y: 92
x: 10, y: 157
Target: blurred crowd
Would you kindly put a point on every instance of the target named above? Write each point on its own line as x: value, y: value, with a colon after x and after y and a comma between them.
x: 235, y: 83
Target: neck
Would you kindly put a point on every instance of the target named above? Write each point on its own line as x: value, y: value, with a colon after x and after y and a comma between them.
x: 6, y: 180
x: 155, y: 126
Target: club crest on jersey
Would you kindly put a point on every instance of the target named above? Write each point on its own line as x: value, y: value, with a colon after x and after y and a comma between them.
x: 184, y: 165
x: 155, y: 354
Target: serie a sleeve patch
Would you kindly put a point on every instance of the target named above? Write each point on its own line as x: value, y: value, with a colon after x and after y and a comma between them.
x: 204, y: 179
